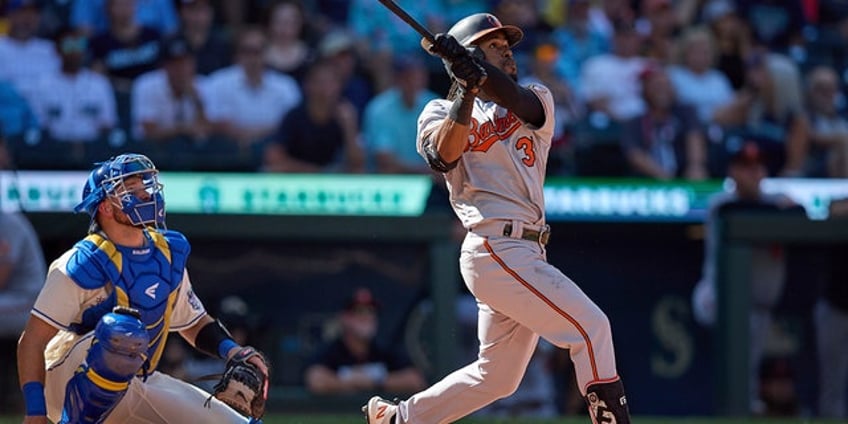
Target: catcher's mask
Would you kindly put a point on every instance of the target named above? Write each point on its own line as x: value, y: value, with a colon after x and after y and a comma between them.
x: 107, y: 179
x: 472, y: 28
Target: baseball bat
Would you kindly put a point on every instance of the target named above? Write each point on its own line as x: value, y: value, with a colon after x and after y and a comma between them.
x: 397, y: 10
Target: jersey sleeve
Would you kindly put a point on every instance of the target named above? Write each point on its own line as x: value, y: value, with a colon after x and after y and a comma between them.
x: 545, y: 96
x: 430, y: 118
x: 188, y: 308
x: 62, y: 301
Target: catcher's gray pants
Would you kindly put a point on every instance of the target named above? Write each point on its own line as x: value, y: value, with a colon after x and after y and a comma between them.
x: 161, y: 399
x: 832, y: 337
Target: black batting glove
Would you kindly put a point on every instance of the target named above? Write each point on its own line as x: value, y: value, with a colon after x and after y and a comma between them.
x: 466, y: 71
x: 447, y: 47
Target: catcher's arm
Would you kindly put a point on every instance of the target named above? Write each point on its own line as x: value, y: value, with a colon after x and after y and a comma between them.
x: 244, y: 384
x: 211, y: 338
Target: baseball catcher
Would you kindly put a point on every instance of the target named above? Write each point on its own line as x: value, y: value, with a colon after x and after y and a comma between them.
x: 90, y: 350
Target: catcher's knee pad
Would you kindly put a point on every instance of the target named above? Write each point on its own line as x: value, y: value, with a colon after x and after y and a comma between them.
x: 607, y: 403
x: 118, y: 352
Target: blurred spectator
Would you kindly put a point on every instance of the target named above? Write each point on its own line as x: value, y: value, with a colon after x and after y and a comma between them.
x: 454, y: 10
x: 354, y: 361
x: 577, y: 41
x: 339, y: 49
x: 828, y: 127
x: 23, y: 56
x: 732, y: 39
x: 766, y: 110
x: 604, y: 17
x: 667, y: 141
x: 75, y: 105
x: 610, y: 82
x: 567, y: 111
x: 248, y: 101
x: 525, y: 15
x: 327, y: 14
x: 124, y: 49
x: 379, y: 34
x: 380, y: 31
x: 22, y: 272
x: 695, y: 79
x: 93, y: 17
x: 321, y: 134
x: 212, y: 49
x: 768, y: 264
x: 55, y: 17
x: 658, y: 25
x: 16, y: 116
x: 831, y: 320
x: 777, y: 388
x: 287, y: 50
x: 689, y: 12
x: 171, y: 102
x: 775, y: 23
x: 831, y: 12
x: 392, y: 141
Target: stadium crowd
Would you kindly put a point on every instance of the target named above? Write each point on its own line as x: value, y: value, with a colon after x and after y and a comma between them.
x: 654, y: 88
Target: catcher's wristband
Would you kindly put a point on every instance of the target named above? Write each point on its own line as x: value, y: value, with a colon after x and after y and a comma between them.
x: 225, y: 346
x: 34, y: 398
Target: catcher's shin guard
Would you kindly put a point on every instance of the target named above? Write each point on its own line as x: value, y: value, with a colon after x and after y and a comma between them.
x: 117, y: 353
x: 607, y: 403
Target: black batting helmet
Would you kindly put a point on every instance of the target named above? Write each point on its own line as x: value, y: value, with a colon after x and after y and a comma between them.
x: 472, y: 28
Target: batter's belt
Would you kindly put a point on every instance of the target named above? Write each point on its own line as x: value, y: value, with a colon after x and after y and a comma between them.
x: 517, y: 229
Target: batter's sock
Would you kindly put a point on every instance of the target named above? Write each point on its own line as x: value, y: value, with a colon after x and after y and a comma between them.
x: 607, y: 403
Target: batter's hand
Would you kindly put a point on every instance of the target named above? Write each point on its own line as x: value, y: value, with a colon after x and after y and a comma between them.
x: 467, y: 72
x: 447, y: 47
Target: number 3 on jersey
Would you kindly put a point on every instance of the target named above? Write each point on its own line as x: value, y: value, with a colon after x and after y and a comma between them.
x: 525, y: 144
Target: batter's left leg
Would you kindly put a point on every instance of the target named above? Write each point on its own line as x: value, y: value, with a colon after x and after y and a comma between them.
x: 607, y: 403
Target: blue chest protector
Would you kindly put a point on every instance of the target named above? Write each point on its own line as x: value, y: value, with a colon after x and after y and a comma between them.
x: 145, y: 279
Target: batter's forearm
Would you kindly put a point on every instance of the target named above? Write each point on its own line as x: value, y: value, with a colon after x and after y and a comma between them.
x: 451, y: 139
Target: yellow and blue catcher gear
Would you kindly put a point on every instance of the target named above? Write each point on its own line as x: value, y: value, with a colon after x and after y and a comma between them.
x: 142, y: 278
x: 117, y: 353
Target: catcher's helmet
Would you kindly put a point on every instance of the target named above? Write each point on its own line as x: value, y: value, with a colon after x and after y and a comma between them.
x: 107, y: 179
x: 472, y: 28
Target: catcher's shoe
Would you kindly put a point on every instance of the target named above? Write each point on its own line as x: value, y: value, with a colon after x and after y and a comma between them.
x: 380, y: 411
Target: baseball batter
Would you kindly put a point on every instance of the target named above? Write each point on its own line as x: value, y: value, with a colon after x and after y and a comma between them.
x: 98, y: 328
x: 491, y: 138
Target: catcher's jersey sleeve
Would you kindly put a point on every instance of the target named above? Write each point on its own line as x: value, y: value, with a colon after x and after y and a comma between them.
x: 188, y: 308
x: 62, y: 301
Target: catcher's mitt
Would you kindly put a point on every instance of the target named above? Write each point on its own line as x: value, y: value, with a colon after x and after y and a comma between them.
x: 244, y: 387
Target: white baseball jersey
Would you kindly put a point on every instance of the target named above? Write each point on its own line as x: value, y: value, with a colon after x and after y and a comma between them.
x: 499, y: 179
x: 502, y: 172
